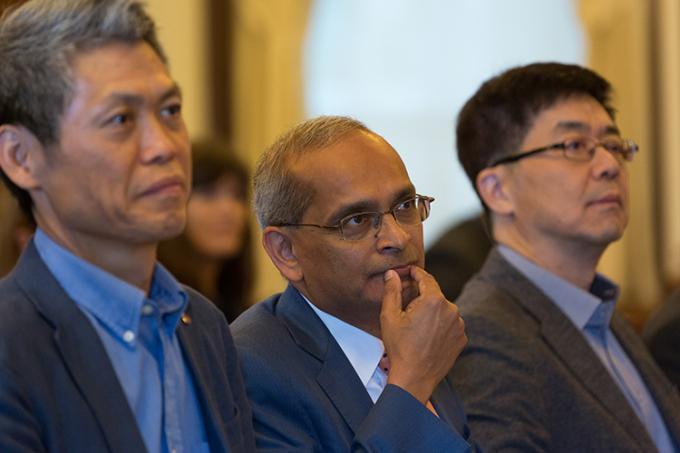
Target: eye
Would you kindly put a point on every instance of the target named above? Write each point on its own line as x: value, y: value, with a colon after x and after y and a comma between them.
x: 615, y: 146
x: 172, y: 110
x: 575, y: 145
x: 356, y: 220
x: 406, y: 205
x: 120, y: 119
x: 206, y: 191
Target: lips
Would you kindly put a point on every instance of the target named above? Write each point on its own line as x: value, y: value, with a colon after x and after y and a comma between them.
x: 403, y: 270
x: 607, y: 199
x: 165, y: 185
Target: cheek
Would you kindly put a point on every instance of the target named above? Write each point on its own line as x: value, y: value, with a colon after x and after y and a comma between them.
x: 198, y: 218
x: 333, y: 265
x: 238, y: 213
x: 198, y: 212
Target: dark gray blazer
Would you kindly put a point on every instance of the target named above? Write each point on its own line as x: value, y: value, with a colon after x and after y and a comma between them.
x: 59, y: 391
x: 307, y: 397
x: 530, y: 381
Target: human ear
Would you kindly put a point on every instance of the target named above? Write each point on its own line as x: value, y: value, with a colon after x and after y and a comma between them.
x: 493, y: 187
x: 19, y: 155
x: 279, y: 246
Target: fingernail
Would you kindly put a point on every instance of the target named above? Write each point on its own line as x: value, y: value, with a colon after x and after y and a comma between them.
x: 388, y: 274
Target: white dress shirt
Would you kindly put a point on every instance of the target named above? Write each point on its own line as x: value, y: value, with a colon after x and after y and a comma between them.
x: 362, y: 349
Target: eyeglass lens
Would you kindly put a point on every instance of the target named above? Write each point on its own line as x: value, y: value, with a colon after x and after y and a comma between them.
x: 409, y: 212
x: 584, y: 148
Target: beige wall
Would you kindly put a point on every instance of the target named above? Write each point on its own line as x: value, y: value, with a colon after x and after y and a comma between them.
x: 669, y: 139
x: 181, y: 25
x: 267, y: 91
x: 619, y: 41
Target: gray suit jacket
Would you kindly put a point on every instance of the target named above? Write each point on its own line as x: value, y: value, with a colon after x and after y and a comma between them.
x: 59, y: 391
x: 307, y: 397
x: 530, y: 381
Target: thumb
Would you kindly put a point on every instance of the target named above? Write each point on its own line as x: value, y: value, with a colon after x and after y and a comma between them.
x: 391, y: 302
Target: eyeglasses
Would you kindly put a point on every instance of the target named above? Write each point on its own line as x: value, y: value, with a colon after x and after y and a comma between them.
x: 354, y: 227
x: 580, y: 149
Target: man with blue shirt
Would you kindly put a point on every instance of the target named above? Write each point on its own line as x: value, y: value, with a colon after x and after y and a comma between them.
x: 353, y: 355
x: 100, y: 348
x: 550, y: 365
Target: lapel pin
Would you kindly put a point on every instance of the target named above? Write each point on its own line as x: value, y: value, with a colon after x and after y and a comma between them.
x: 186, y: 319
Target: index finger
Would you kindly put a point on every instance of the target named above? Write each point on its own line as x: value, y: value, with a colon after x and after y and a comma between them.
x: 424, y: 280
x: 391, y: 301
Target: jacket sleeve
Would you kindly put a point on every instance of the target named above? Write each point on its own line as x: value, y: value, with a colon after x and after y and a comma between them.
x: 19, y: 431
x: 399, y: 422
x: 283, y: 422
x: 502, y: 417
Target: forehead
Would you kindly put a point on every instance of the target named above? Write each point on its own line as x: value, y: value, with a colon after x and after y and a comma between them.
x: 361, y: 168
x: 118, y: 69
x: 582, y: 114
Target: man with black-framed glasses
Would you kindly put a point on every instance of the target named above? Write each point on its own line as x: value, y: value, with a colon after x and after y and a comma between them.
x: 550, y: 365
x: 353, y: 355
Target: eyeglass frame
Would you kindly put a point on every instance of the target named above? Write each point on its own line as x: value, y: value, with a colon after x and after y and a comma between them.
x: 634, y: 149
x: 378, y: 216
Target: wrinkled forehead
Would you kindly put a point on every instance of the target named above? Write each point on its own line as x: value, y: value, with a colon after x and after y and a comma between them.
x: 360, y: 169
x: 358, y: 157
x: 575, y: 111
x: 581, y: 114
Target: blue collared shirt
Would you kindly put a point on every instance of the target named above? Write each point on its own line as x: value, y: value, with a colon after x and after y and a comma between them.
x: 139, y: 335
x: 591, y: 313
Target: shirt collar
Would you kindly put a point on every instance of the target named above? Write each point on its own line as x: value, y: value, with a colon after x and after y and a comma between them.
x: 578, y: 305
x: 362, y: 349
x: 116, y: 304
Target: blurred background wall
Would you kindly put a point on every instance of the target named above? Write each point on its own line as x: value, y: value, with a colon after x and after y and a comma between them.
x: 250, y: 69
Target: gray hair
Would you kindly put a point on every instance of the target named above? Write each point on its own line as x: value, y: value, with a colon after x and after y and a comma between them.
x: 38, y: 41
x: 280, y: 197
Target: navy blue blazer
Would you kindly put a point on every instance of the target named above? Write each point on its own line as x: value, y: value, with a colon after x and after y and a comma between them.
x: 59, y: 391
x: 307, y: 397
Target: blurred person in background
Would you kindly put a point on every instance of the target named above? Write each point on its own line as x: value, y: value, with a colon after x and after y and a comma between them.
x: 213, y: 255
x: 458, y: 254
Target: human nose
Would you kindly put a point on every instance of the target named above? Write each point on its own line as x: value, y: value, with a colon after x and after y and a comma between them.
x: 606, y: 164
x: 390, y: 233
x: 160, y: 144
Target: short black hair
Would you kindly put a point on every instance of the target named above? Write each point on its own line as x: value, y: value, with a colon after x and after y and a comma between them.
x: 495, y: 120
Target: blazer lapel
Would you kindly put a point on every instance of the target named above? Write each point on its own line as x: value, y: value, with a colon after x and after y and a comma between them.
x: 568, y: 344
x: 200, y: 367
x: 82, y: 352
x: 336, y: 376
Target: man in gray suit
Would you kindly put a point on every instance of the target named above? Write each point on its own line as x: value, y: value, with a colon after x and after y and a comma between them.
x: 343, y: 224
x: 550, y: 365
x: 101, y: 349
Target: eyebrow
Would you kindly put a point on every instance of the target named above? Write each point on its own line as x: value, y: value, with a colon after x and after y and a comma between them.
x: 369, y: 205
x: 135, y: 99
x: 566, y: 126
